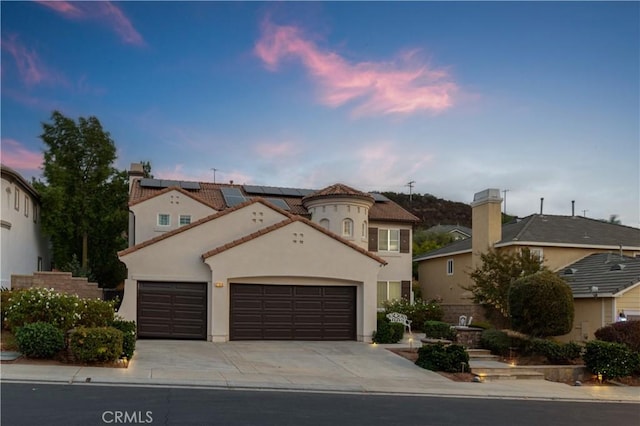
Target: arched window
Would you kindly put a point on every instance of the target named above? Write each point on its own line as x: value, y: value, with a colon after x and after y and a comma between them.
x: 347, y: 228
x: 364, y: 230
x: 325, y: 223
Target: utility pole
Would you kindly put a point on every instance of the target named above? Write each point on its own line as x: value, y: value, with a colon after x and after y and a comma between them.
x: 410, y: 185
x: 504, y: 191
x: 214, y: 174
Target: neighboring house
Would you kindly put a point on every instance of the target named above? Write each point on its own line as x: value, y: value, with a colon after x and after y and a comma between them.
x: 24, y: 248
x: 558, y: 240
x: 243, y: 262
x: 456, y: 231
x: 604, y: 285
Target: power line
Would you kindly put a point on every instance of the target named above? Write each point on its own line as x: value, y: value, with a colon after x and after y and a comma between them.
x: 410, y: 185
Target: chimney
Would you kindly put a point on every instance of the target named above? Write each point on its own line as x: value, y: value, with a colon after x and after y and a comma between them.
x: 135, y: 172
x: 486, y: 218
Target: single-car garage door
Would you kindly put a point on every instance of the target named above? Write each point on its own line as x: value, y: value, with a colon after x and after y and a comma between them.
x: 172, y: 310
x: 292, y: 312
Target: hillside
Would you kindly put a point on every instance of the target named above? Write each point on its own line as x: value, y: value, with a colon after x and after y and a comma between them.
x: 432, y: 210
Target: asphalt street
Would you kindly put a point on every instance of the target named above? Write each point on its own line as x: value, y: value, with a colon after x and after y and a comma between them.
x: 86, y: 404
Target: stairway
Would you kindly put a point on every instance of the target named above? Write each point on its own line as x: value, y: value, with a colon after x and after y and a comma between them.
x: 488, y: 368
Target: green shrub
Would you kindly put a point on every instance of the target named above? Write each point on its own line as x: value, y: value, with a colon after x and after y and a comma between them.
x: 481, y: 324
x: 418, y: 313
x: 438, y: 330
x: 612, y: 360
x: 128, y: 329
x: 541, y: 305
x: 498, y: 342
x: 5, y: 298
x: 388, y: 332
x: 96, y: 344
x: 42, y: 305
x: 96, y: 313
x: 556, y: 352
x: 626, y: 332
x: 439, y: 357
x: 39, y: 340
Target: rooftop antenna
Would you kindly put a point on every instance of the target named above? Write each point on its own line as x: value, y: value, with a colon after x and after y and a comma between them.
x: 504, y: 191
x: 214, y: 174
x: 584, y: 213
x: 410, y: 185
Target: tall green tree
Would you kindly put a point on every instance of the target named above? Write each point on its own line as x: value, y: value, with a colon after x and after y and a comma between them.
x: 84, y: 197
x: 493, y: 279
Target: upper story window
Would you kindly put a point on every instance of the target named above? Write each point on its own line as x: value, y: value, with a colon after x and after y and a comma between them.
x: 450, y: 267
x: 364, y: 230
x: 17, y: 200
x: 325, y: 223
x: 26, y: 205
x: 388, y: 240
x: 347, y: 228
x: 164, y: 219
x: 185, y: 219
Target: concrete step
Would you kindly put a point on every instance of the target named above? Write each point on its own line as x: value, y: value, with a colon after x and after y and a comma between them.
x: 481, y: 355
x: 509, y: 373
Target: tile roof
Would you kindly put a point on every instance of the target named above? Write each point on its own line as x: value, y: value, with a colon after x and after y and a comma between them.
x: 610, y: 273
x: 437, y: 229
x: 338, y: 190
x: 286, y: 222
x: 210, y: 194
x: 569, y: 231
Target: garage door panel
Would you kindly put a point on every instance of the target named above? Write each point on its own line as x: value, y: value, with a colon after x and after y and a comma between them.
x: 289, y: 312
x: 172, y: 310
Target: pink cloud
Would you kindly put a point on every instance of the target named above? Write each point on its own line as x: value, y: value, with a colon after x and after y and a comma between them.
x: 402, y: 86
x: 16, y: 156
x: 103, y: 11
x: 30, y: 67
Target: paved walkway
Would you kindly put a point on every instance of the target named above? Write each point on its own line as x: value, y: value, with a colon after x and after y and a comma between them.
x: 303, y: 366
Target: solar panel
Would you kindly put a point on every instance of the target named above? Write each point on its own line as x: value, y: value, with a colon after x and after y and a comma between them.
x: 168, y: 183
x: 279, y: 202
x: 378, y: 197
x: 305, y: 192
x: 290, y: 192
x: 189, y: 185
x: 253, y: 189
x: 150, y: 183
x: 232, y: 196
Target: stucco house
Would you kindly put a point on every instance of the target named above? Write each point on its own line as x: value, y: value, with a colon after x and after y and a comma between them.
x: 220, y: 262
x: 558, y: 240
x: 24, y: 248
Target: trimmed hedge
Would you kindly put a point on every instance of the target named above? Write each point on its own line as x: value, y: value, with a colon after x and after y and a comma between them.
x: 556, y: 352
x: 498, y: 342
x: 626, y: 332
x: 439, y: 357
x: 438, y: 330
x: 39, y: 340
x: 612, y: 360
x: 388, y: 332
x: 96, y: 344
x: 129, y: 335
x: 418, y: 313
x: 541, y: 305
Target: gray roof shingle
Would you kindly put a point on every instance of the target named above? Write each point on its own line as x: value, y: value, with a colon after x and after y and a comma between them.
x: 610, y: 273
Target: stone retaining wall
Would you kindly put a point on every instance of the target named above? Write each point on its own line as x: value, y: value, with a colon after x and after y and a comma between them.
x: 62, y: 282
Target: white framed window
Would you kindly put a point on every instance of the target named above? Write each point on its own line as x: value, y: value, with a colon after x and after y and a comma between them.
x: 389, y: 240
x: 450, y: 267
x: 364, y: 230
x: 26, y: 205
x: 537, y: 252
x: 185, y: 219
x: 17, y: 200
x: 388, y: 290
x: 164, y: 219
x: 325, y: 223
x: 347, y: 228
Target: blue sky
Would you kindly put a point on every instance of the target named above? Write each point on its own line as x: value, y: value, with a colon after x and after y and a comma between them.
x: 540, y: 98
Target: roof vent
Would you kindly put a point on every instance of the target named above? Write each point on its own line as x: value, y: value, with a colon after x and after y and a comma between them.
x: 570, y: 271
x: 617, y: 267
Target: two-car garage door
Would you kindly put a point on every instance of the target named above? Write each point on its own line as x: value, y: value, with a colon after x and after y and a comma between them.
x: 292, y: 312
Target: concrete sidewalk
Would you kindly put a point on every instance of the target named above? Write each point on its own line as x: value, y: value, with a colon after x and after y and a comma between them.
x: 300, y: 366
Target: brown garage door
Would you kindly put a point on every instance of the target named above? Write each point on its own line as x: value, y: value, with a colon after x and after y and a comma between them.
x: 172, y: 310
x: 292, y: 312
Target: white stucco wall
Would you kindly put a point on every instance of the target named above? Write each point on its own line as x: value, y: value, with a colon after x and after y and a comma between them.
x: 22, y: 241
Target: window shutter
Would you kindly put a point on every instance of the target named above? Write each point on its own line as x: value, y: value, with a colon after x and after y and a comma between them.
x: 405, y: 243
x: 406, y: 290
x: 373, y: 239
